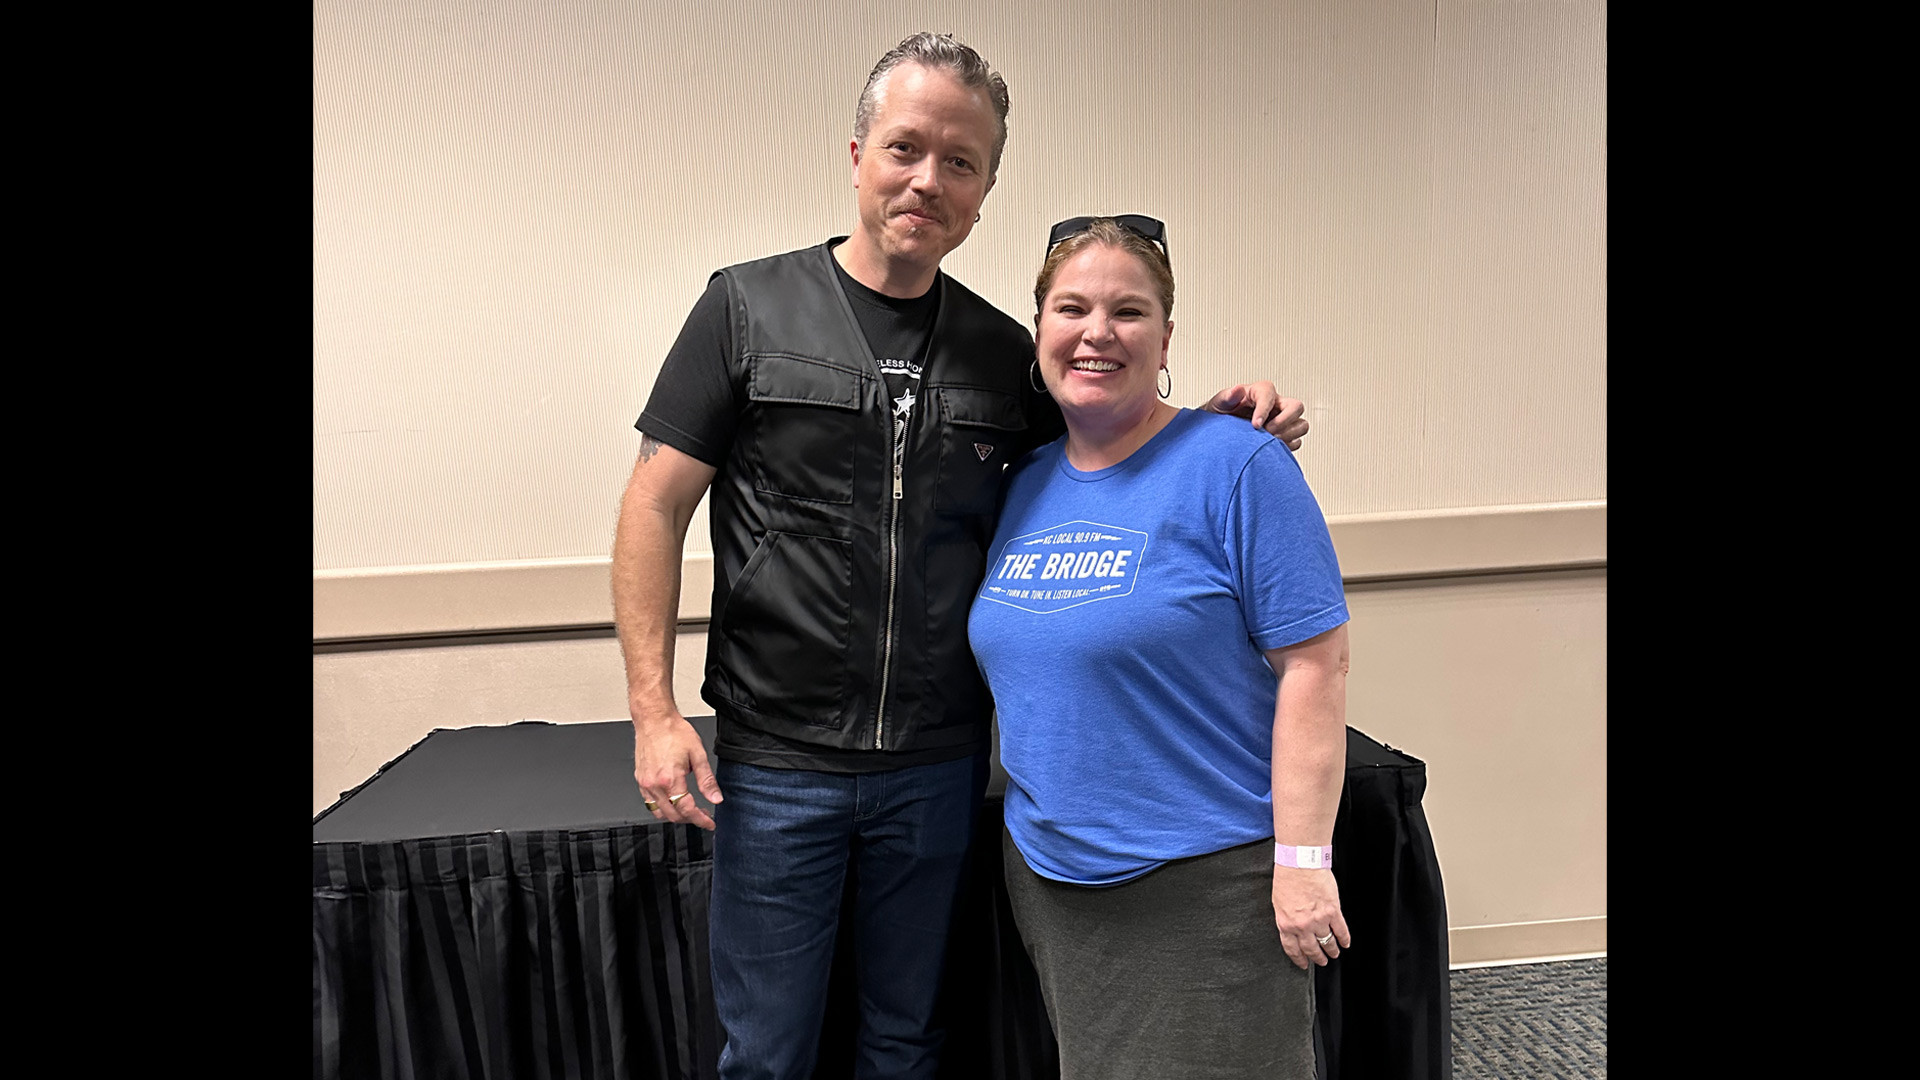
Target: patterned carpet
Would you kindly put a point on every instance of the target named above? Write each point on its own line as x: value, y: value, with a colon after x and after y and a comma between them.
x: 1526, y: 1021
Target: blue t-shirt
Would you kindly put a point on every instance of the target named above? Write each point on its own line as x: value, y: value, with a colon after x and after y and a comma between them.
x: 1122, y: 627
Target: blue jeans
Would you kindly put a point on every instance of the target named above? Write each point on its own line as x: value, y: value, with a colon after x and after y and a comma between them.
x: 782, y: 844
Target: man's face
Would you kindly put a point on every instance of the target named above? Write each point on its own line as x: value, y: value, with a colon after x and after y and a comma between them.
x: 923, y: 173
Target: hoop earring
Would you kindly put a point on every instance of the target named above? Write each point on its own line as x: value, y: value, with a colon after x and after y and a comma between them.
x: 976, y: 219
x: 1168, y: 392
x: 1034, y: 380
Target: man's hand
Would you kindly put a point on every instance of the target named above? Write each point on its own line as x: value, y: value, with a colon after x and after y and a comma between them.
x: 666, y: 750
x: 1283, y: 418
x: 1306, y: 907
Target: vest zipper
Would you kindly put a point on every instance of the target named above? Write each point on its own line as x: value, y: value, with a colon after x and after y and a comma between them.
x: 893, y: 574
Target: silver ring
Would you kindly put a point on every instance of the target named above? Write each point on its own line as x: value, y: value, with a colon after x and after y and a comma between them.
x: 676, y: 798
x: 1324, y: 940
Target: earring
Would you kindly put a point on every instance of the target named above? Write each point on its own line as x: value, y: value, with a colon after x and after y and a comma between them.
x: 1164, y: 394
x: 976, y: 219
x: 1033, y: 378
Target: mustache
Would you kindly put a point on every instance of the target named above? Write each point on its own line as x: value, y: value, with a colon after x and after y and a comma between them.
x: 919, y: 207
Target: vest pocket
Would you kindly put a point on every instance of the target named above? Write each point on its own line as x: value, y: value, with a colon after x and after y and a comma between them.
x: 977, y: 441
x: 785, y: 627
x: 805, y: 424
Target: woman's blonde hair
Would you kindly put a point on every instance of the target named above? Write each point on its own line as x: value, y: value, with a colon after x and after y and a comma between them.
x: 1108, y: 232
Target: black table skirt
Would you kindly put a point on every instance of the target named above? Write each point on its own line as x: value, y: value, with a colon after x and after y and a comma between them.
x: 490, y: 905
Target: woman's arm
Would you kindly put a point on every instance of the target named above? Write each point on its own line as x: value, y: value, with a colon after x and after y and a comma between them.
x: 1309, y: 764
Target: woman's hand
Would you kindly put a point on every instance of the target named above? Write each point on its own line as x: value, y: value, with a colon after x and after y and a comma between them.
x: 1306, y: 906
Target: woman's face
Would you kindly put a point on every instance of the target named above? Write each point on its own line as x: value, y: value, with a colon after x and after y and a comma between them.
x: 1102, y: 334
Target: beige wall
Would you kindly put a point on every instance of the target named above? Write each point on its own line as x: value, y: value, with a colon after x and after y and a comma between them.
x: 1393, y: 208
x: 1499, y: 685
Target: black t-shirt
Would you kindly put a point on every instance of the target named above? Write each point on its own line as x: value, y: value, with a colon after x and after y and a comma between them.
x: 694, y: 410
x: 896, y: 331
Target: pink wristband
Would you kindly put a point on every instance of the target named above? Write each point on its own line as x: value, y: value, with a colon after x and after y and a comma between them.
x: 1305, y: 858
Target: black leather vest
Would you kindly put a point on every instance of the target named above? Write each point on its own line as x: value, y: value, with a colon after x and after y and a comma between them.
x: 841, y: 591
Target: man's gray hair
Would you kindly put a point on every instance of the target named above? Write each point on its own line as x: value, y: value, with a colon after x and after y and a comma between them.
x: 942, y: 52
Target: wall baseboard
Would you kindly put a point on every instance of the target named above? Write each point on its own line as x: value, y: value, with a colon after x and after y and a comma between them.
x: 1513, y: 942
x: 465, y: 598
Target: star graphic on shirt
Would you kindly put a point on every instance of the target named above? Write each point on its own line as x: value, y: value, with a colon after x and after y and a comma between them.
x: 903, y: 405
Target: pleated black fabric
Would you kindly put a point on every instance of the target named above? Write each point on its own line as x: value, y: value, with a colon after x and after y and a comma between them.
x: 1383, y: 1006
x: 505, y: 955
x: 582, y: 953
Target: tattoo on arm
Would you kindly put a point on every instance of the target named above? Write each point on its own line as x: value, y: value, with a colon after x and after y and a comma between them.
x: 649, y: 446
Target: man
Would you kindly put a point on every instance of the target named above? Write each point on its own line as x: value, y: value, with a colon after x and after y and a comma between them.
x: 852, y: 409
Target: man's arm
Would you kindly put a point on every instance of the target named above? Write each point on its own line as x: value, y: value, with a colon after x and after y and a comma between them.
x: 1309, y: 764
x: 1283, y: 418
x: 661, y: 495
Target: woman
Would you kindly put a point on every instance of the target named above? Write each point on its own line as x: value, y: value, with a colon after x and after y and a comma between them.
x: 1164, y: 631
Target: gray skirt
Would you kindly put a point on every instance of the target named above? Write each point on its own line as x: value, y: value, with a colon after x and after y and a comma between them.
x: 1174, y: 975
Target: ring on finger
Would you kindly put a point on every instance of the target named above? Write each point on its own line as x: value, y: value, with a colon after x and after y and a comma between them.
x: 651, y: 805
x: 1324, y: 940
x: 676, y: 798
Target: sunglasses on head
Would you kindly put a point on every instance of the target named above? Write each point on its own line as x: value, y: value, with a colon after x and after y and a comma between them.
x: 1139, y: 224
